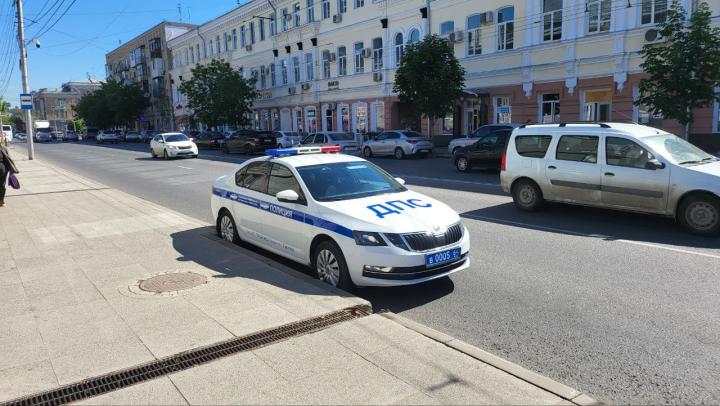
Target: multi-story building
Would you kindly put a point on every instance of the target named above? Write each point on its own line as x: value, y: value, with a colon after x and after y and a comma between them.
x: 56, y: 105
x: 330, y: 64
x: 145, y: 60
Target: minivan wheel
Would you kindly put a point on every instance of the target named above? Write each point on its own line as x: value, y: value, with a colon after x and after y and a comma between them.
x: 367, y: 152
x: 462, y: 164
x: 399, y: 153
x: 527, y: 196
x: 700, y: 215
x: 329, y: 263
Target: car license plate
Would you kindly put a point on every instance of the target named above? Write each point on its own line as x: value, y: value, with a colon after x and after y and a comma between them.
x: 442, y: 257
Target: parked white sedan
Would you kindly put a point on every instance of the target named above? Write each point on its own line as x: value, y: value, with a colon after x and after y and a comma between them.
x: 172, y: 145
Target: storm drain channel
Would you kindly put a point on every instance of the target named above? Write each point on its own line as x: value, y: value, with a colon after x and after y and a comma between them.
x: 120, y: 379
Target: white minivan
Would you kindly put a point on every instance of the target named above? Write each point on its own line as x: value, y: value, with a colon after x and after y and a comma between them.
x: 7, y: 130
x: 614, y: 165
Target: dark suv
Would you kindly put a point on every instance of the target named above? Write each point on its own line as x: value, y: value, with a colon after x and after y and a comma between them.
x: 249, y: 142
x: 485, y: 153
x: 209, y: 139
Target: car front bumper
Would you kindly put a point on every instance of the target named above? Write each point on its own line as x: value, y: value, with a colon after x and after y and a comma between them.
x: 174, y: 153
x: 408, y: 267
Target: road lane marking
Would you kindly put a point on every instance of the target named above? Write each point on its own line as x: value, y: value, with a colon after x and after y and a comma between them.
x: 184, y: 167
x: 448, y: 180
x: 599, y: 236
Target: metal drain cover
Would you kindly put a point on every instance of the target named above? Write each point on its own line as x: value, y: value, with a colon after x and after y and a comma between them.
x: 172, y: 282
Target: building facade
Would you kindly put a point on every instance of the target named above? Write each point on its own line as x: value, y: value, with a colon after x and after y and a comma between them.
x: 145, y: 60
x: 56, y: 105
x: 330, y: 64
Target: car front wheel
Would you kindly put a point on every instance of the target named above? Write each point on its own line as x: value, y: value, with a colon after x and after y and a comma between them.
x: 165, y: 155
x: 462, y: 164
x: 700, y: 215
x: 367, y: 152
x: 527, y: 196
x: 330, y: 265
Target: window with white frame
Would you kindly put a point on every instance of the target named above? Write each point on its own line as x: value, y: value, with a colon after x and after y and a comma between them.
x: 252, y: 32
x: 552, y: 20
x: 474, y: 39
x: 296, y: 69
x: 447, y: 27
x: 377, y: 54
x: 550, y: 108
x: 379, y: 115
x: 359, y: 59
x: 599, y: 13
x: 359, y: 3
x: 311, y: 11
x: 217, y: 44
x: 296, y: 15
x: 226, y: 41
x: 261, y: 28
x: 399, y: 48
x: 414, y: 36
x: 342, y: 61
x: 263, y: 77
x: 309, y: 67
x: 197, y: 52
x: 192, y: 55
x: 205, y: 53
x: 285, y: 18
x: 234, y: 38
x: 506, y: 28
x: 187, y: 57
x: 273, y: 82
x: 243, y: 40
x: 342, y: 6
x: 284, y: 71
x: 325, y: 6
x: 503, y: 112
x: 654, y: 11
x: 326, y: 64
x: 212, y: 48
x: 329, y: 118
x: 273, y: 17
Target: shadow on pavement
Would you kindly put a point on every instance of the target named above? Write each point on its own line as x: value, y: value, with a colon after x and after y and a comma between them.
x: 600, y: 223
x: 403, y: 298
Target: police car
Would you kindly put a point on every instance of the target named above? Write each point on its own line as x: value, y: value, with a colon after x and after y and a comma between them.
x: 348, y: 219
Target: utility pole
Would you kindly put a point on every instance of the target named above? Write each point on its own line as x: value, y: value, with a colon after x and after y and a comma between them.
x: 26, y: 87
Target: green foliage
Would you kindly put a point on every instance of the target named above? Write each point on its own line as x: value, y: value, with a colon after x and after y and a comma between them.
x: 218, y: 94
x: 430, y: 78
x: 114, y: 104
x: 17, y: 120
x: 684, y: 70
x: 77, y: 125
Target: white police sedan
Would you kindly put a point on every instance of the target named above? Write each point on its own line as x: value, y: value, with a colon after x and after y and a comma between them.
x: 346, y: 218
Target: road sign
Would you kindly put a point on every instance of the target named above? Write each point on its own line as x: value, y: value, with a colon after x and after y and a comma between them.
x: 26, y: 101
x: 504, y: 110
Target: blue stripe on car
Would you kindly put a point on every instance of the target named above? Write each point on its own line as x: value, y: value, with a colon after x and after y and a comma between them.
x: 279, y: 210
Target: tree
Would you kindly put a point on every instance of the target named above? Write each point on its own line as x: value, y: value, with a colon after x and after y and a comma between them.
x: 430, y: 78
x: 114, y: 104
x: 78, y: 125
x: 684, y: 70
x: 218, y: 94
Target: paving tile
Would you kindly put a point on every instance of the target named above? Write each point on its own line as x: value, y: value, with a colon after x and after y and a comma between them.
x: 26, y: 379
x: 20, y: 341
x: 369, y: 334
x: 159, y: 391
x: 241, y: 323
x: 418, y: 398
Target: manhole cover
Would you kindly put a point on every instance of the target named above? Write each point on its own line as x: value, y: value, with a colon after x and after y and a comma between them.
x: 172, y: 282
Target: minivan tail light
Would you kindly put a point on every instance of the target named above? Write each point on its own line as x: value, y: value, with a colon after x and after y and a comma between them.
x: 503, y: 162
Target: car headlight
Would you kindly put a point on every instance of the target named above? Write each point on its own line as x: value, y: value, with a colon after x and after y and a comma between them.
x: 368, y: 238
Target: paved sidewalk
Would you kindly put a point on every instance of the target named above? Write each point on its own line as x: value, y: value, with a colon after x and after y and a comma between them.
x: 72, y: 255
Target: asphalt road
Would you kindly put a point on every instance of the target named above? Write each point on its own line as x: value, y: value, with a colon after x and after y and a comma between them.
x: 624, y: 307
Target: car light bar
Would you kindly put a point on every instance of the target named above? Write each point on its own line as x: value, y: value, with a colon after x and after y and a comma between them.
x: 302, y: 151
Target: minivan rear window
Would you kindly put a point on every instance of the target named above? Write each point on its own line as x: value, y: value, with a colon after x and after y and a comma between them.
x: 532, y: 146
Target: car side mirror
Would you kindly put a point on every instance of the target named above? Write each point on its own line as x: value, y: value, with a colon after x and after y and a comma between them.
x: 288, y: 196
x: 400, y: 181
x: 161, y: 142
x: 192, y: 139
x: 654, y: 165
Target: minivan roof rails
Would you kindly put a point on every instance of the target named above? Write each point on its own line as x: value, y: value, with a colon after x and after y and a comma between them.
x: 565, y: 123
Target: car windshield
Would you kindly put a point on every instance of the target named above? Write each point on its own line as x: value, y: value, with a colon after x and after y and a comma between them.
x: 176, y: 138
x: 341, y: 137
x: 678, y: 150
x: 347, y: 180
x: 44, y: 130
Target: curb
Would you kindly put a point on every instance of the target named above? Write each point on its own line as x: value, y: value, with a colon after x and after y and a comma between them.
x: 569, y: 394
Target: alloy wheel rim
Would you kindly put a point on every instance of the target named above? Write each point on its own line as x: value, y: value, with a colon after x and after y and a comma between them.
x: 398, y: 154
x: 702, y: 216
x: 328, y: 268
x: 526, y: 195
x: 226, y: 229
x: 462, y: 164
x: 367, y: 152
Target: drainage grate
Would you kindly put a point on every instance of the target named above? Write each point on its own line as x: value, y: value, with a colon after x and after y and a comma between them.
x: 174, y: 363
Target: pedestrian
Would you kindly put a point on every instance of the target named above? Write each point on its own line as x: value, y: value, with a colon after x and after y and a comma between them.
x: 7, y: 167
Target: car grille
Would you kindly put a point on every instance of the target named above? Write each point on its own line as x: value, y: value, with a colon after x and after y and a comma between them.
x: 425, y: 241
x: 184, y: 147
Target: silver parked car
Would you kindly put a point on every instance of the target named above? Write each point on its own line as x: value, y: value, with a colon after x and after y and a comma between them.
x: 287, y: 139
x: 328, y: 139
x: 483, y: 131
x: 398, y: 143
x: 614, y: 165
x: 110, y: 136
x: 133, y: 136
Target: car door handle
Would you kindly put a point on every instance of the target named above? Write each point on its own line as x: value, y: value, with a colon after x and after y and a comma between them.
x: 609, y: 174
x: 552, y: 167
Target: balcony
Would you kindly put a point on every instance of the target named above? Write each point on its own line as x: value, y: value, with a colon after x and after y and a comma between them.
x: 157, y: 68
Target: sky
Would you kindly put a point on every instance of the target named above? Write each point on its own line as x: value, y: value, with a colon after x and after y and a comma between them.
x: 75, y: 47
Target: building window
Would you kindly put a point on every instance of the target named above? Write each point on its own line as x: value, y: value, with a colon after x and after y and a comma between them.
x: 503, y: 112
x: 234, y: 38
x: 205, y: 53
x: 192, y: 55
x: 325, y: 6
x: 309, y: 67
x: 474, y: 40
x: 329, y: 119
x: 377, y: 54
x: 414, y: 36
x: 379, y: 116
x: 226, y: 38
x: 272, y: 74
x: 447, y: 27
x: 599, y: 12
x: 654, y: 11
x: 326, y: 64
x: 360, y: 118
x: 552, y: 20
x: 197, y: 52
x: 272, y: 24
x: 598, y: 105
x: 345, y: 118
x: 263, y: 78
x: 212, y: 49
x: 359, y: 3
x: 261, y: 27
x: 252, y: 32
x: 187, y: 57
x: 399, y: 48
x: 359, y: 59
x: 342, y: 61
x: 243, y: 40
x: 217, y: 44
x: 284, y: 71
x: 296, y: 69
x: 506, y: 28
x: 550, y: 108
x: 285, y: 18
x: 311, y: 11
x: 296, y: 15
x: 311, y: 118
x: 448, y: 124
x: 342, y: 6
